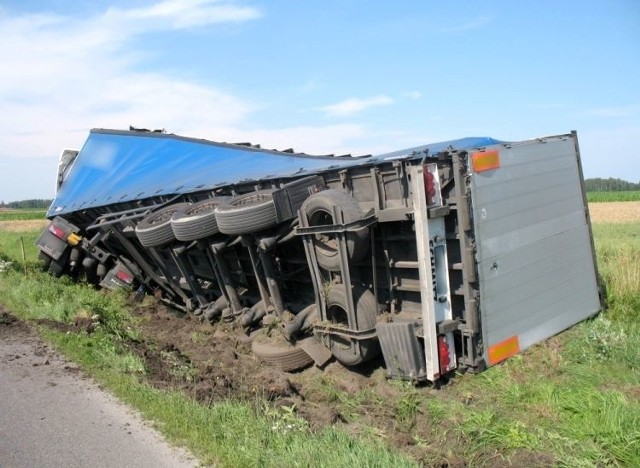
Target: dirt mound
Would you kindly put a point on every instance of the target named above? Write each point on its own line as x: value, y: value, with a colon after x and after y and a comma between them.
x: 215, y: 362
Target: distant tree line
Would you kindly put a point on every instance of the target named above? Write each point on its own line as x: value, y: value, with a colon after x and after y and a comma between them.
x: 36, y: 203
x: 609, y: 185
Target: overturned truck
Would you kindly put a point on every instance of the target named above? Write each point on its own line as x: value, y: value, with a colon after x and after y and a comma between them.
x: 455, y: 255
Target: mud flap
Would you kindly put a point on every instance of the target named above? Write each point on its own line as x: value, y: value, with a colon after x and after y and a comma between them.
x: 316, y: 350
x: 403, y: 354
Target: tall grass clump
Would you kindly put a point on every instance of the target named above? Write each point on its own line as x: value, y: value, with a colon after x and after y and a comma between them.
x: 618, y: 249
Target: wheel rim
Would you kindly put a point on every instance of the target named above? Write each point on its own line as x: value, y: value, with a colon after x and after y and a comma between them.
x: 251, y: 199
x: 202, y: 208
x: 326, y: 243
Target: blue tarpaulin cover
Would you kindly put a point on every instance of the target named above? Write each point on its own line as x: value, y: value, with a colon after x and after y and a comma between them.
x: 117, y: 166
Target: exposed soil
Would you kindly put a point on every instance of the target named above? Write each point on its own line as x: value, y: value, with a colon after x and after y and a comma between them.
x: 214, y: 362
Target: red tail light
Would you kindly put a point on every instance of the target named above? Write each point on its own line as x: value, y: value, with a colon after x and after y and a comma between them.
x: 443, y: 354
x: 124, y: 277
x: 429, y: 187
x: 56, y: 231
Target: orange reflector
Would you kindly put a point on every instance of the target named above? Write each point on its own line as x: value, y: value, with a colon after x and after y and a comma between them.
x: 503, y: 350
x: 485, y: 160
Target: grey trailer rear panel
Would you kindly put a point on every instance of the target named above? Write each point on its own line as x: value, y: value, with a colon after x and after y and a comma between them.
x: 535, y: 260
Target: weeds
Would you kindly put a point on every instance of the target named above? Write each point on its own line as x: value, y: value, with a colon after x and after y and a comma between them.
x: 5, y: 265
x: 284, y: 419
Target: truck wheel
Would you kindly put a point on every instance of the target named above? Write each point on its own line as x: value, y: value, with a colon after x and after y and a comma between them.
x: 318, y: 209
x: 155, y: 228
x: 250, y: 212
x: 347, y: 351
x: 44, y: 260
x: 284, y: 356
x: 58, y: 267
x: 196, y: 221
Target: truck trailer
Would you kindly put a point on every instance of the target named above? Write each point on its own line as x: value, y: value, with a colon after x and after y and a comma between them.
x: 448, y: 256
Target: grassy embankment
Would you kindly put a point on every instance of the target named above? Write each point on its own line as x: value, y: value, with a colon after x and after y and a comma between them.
x: 574, y: 400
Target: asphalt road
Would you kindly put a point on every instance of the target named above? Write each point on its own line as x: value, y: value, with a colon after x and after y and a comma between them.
x: 51, y: 416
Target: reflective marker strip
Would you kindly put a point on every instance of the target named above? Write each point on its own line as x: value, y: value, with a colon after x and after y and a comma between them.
x: 485, y: 160
x: 503, y: 350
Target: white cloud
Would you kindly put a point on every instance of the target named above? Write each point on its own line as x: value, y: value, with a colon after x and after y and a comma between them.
x: 353, y: 106
x: 180, y: 14
x: 330, y: 139
x: 61, y: 77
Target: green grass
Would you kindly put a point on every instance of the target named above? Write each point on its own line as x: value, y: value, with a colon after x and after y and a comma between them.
x: 577, y: 399
x: 630, y: 195
x: 22, y: 215
x: 11, y: 245
x: 572, y: 401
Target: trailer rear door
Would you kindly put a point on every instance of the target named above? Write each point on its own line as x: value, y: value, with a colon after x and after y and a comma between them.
x: 535, y: 255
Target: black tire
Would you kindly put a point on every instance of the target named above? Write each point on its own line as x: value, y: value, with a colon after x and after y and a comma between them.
x: 196, y: 221
x: 247, y: 213
x: 318, y: 209
x: 283, y: 356
x: 346, y: 351
x: 155, y: 228
x: 101, y: 271
x: 59, y: 267
x: 44, y: 260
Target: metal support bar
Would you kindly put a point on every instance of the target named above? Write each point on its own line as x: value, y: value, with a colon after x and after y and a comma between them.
x: 225, y: 275
x: 216, y: 271
x: 249, y: 242
x: 312, y: 261
x: 337, y: 228
x: 264, y: 246
x: 179, y: 257
x: 471, y: 327
x: 160, y: 263
x: 146, y: 267
x: 343, y: 253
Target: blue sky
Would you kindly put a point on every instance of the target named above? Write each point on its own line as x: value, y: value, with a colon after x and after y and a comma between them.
x: 319, y: 76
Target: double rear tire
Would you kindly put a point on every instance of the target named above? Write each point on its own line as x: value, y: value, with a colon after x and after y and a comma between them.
x: 319, y: 210
x: 155, y: 229
x: 196, y: 221
x: 247, y: 213
x: 352, y: 352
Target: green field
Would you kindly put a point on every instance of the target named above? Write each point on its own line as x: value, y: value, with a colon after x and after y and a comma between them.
x: 597, y: 197
x: 572, y: 401
x: 21, y: 215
